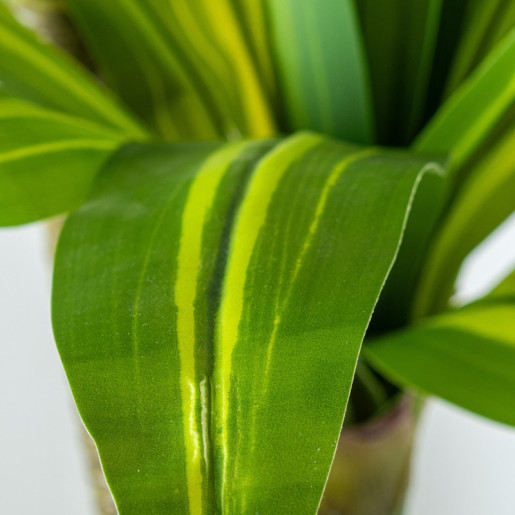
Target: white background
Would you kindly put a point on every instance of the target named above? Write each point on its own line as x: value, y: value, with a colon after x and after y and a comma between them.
x: 463, y: 464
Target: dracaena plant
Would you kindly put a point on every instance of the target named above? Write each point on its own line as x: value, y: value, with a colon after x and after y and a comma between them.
x: 250, y: 185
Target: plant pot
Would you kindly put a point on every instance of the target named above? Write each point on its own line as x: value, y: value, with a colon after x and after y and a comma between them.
x: 370, y: 471
x: 369, y: 475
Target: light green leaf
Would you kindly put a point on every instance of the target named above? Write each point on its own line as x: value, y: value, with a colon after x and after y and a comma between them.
x: 47, y: 160
x: 43, y: 74
x: 485, y: 24
x: 469, y: 115
x: 466, y: 357
x: 209, y: 306
x: 322, y: 67
x: 482, y: 203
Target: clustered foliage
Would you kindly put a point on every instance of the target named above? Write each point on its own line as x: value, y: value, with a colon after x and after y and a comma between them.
x: 251, y: 184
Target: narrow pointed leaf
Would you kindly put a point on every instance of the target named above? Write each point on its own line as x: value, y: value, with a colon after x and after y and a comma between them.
x: 252, y: 15
x: 209, y: 306
x: 483, y: 202
x: 227, y: 43
x: 48, y: 160
x: 485, y: 24
x: 466, y: 357
x: 400, y: 40
x: 185, y: 66
x: 41, y: 73
x: 322, y: 70
x: 142, y: 63
x: 469, y: 115
x: 395, y: 306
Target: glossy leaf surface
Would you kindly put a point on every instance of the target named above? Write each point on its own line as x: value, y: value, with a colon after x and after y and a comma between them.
x: 41, y: 73
x: 209, y: 306
x: 466, y: 357
x: 48, y: 160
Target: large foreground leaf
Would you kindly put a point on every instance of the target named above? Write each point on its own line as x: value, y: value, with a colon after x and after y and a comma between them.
x: 466, y: 356
x: 142, y: 63
x: 209, y: 306
x: 43, y: 74
x: 47, y: 160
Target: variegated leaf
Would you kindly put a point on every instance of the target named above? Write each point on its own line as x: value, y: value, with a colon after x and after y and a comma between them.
x: 209, y: 306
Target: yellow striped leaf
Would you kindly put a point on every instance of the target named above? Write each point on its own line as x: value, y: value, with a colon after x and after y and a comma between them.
x: 186, y: 67
x: 209, y: 306
x: 484, y: 201
x: 43, y: 74
x: 47, y: 160
x: 400, y: 39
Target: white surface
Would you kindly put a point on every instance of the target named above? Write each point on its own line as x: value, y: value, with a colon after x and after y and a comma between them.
x: 464, y: 465
x: 41, y: 467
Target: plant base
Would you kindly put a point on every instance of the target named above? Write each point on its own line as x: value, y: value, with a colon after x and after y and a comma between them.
x: 370, y: 472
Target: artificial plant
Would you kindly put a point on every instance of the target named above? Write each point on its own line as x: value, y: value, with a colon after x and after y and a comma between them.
x: 246, y: 182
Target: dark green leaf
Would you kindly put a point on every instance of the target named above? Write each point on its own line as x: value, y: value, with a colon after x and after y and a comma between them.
x: 400, y: 39
x: 322, y: 69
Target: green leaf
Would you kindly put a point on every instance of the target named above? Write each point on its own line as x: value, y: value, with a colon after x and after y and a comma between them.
x: 252, y: 17
x: 183, y: 66
x: 400, y: 39
x: 395, y: 306
x: 322, y: 68
x: 504, y: 291
x: 450, y: 32
x: 209, y: 304
x: 482, y: 203
x: 466, y: 357
x: 485, y: 24
x: 47, y: 160
x: 41, y: 73
x: 469, y: 115
x: 230, y: 38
